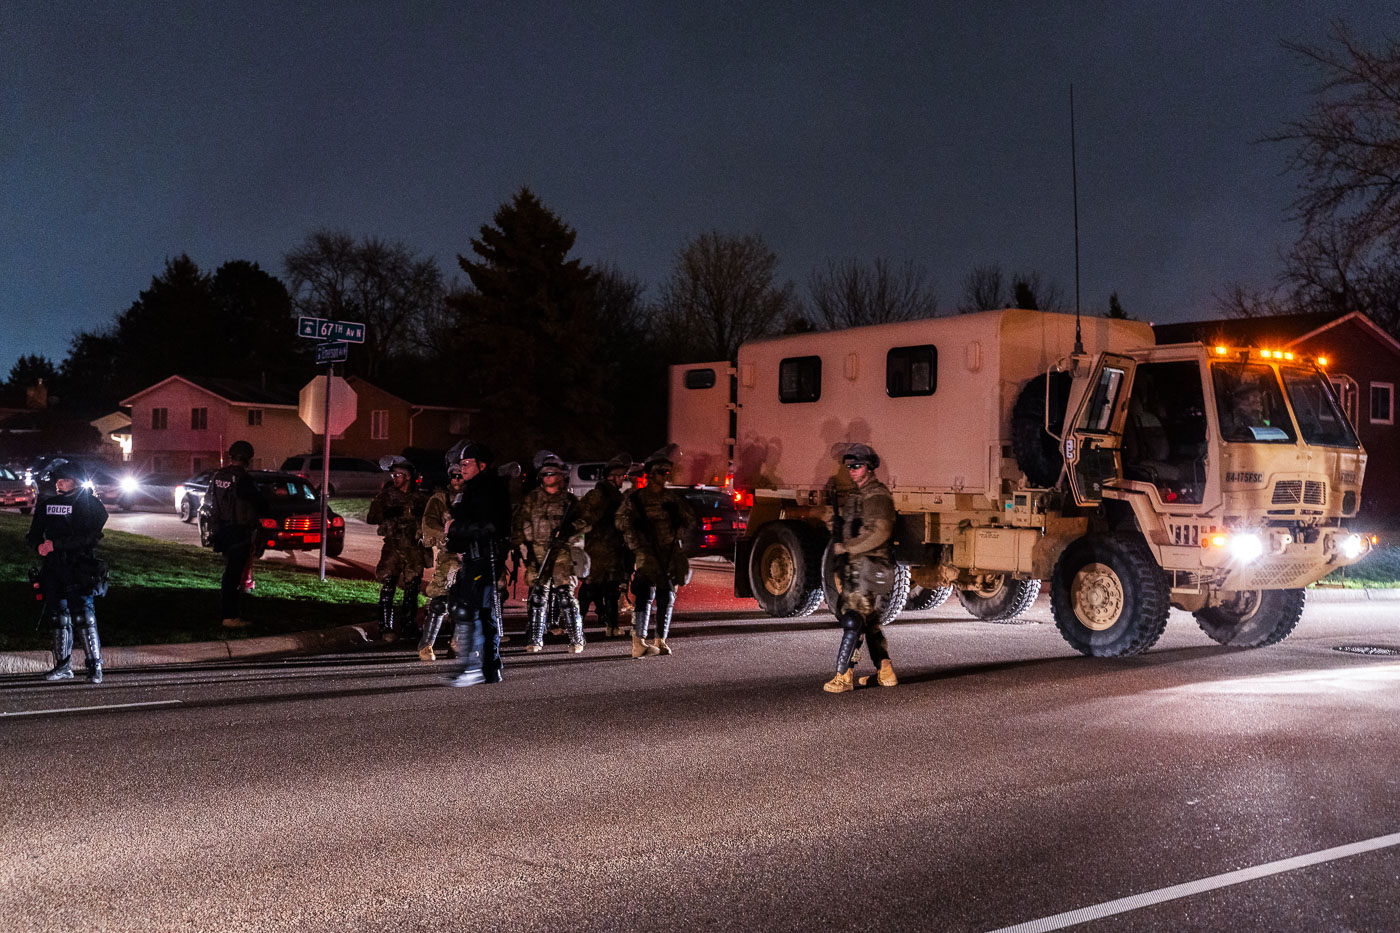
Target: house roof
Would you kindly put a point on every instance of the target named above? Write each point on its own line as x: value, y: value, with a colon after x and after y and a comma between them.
x: 232, y: 391
x: 1283, y: 330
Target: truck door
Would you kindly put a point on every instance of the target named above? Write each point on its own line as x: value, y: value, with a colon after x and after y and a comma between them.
x: 1093, y: 445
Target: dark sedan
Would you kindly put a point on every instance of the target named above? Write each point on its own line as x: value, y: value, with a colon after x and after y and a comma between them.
x: 719, y: 523
x: 292, y: 516
x: 189, y: 495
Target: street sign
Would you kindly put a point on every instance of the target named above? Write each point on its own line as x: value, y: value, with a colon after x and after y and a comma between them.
x: 326, y: 329
x: 312, y: 404
x: 332, y: 352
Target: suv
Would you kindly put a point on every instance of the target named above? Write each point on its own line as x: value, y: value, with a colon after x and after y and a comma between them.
x: 350, y: 476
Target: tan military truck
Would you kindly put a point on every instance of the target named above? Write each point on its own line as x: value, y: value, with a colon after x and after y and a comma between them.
x: 1132, y: 477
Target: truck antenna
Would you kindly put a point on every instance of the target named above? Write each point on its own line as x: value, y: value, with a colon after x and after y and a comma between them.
x: 1074, y: 185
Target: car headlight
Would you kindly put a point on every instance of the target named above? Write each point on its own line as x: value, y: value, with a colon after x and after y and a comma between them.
x: 87, y: 484
x: 1246, y: 547
x: 129, y: 484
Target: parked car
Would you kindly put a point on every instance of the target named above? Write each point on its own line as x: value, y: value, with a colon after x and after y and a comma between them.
x: 14, y: 491
x: 293, y: 519
x: 719, y: 526
x: 350, y: 476
x: 111, y: 483
x: 189, y: 495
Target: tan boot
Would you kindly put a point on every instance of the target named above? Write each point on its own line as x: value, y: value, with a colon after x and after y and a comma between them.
x: 642, y: 649
x: 841, y: 683
x: 662, y: 647
x: 425, y: 653
x: 884, y: 678
x: 576, y: 649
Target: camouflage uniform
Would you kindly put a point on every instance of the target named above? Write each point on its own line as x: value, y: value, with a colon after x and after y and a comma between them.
x: 652, y: 521
x: 537, y: 519
x: 609, y: 560
x: 402, y: 558
x: 445, y: 565
x: 862, y: 528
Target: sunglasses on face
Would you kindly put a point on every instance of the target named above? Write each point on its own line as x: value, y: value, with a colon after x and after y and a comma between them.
x: 454, y: 475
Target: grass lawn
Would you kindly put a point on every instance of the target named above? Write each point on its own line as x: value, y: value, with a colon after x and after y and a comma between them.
x: 1380, y: 568
x: 166, y: 593
x: 351, y: 507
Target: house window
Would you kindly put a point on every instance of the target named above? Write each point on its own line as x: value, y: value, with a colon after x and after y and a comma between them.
x: 800, y: 379
x: 159, y: 417
x: 1382, y: 403
x: 199, y: 419
x: 255, y: 417
x: 379, y: 425
x: 911, y: 371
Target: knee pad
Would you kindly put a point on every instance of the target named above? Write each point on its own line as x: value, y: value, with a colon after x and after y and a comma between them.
x: 437, y: 605
x: 853, y: 622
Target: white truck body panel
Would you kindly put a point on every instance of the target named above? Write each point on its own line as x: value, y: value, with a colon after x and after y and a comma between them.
x: 698, y: 421
x: 954, y: 440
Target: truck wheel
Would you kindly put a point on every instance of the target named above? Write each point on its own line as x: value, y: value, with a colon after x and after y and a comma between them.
x: 785, y: 570
x: 1001, y: 600
x: 924, y: 598
x: 1037, y: 453
x: 894, y: 604
x: 1253, y: 618
x: 1109, y: 597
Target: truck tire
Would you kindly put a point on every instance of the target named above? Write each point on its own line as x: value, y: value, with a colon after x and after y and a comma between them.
x: 894, y: 605
x: 785, y: 570
x: 1037, y: 453
x: 1109, y: 597
x: 924, y: 598
x: 1253, y: 618
x: 1007, y: 601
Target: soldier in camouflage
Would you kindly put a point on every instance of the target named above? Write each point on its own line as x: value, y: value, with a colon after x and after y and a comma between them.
x: 397, y: 510
x: 653, y: 519
x: 548, y: 525
x: 433, y: 531
x: 862, y: 528
x: 609, y: 560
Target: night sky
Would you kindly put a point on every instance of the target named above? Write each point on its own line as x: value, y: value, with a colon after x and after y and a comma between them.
x: 933, y: 132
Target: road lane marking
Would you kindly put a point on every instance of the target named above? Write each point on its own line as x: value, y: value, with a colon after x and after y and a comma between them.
x: 1147, y: 899
x: 88, y: 709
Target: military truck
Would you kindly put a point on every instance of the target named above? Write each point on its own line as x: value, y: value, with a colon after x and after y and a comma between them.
x: 1022, y: 447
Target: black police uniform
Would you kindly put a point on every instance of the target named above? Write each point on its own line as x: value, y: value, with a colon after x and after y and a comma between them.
x: 233, y: 517
x: 479, y: 530
x: 70, y: 574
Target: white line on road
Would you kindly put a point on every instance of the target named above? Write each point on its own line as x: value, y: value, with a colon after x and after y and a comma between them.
x: 1135, y: 901
x: 88, y: 709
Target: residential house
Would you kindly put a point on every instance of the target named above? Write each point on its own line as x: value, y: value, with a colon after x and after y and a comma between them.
x: 1363, y: 363
x: 387, y: 424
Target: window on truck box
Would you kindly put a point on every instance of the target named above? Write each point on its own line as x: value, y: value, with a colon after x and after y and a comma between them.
x: 911, y: 371
x: 699, y: 378
x: 800, y: 379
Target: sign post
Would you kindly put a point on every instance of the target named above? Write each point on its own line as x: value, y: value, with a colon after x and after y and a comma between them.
x: 335, y: 337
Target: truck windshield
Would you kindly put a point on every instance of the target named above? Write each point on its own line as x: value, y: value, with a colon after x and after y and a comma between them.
x: 1320, y: 416
x: 1250, y: 404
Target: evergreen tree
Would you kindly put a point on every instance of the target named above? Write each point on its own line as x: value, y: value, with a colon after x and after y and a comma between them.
x: 530, y: 330
x: 1115, y: 310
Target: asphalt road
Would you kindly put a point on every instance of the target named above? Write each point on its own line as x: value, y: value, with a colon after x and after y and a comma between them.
x: 1004, y: 781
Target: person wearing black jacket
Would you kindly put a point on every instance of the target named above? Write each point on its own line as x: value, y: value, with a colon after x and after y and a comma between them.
x: 234, y: 507
x: 477, y: 530
x: 65, y: 530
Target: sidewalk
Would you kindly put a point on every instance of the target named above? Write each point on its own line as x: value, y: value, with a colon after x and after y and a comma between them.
x: 352, y: 636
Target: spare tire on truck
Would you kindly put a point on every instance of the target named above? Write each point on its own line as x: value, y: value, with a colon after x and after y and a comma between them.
x: 1037, y: 452
x: 785, y: 569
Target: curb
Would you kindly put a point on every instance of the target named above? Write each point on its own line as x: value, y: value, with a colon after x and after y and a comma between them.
x: 1344, y: 595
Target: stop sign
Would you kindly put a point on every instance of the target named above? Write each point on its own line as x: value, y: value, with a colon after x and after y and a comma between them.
x: 311, y: 404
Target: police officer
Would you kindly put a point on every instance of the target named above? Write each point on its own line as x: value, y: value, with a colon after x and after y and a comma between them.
x: 65, y: 530
x: 548, y: 524
x: 609, y: 560
x: 234, y: 507
x: 653, y: 520
x: 478, y: 526
x: 437, y: 515
x: 397, y: 510
x: 862, y: 526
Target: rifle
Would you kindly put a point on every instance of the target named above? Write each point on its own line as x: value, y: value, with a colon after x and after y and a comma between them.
x: 551, y: 552
x: 644, y: 520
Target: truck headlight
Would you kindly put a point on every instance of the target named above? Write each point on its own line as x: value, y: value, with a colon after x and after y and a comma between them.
x: 1246, y: 547
x: 129, y: 484
x: 1351, y: 547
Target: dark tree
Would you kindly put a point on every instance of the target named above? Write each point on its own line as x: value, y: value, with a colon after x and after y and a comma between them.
x: 529, y: 332
x: 30, y: 370
x: 985, y: 289
x: 851, y: 294
x: 722, y: 292
x: 1115, y: 310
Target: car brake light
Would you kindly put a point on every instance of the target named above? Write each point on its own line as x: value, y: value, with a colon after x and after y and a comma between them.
x: 337, y: 522
x: 268, y: 522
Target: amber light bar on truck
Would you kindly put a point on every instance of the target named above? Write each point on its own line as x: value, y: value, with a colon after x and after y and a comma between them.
x: 1286, y: 356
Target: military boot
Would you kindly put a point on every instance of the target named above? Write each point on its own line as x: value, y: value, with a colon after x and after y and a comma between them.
x: 406, y: 622
x: 386, y: 613
x: 62, y: 649
x: 92, y: 648
x: 642, y: 649
x: 538, y: 602
x: 841, y: 683
x: 884, y: 677
x: 437, y: 614
x: 663, y: 627
x: 641, y: 622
